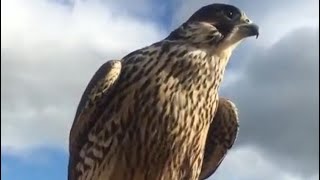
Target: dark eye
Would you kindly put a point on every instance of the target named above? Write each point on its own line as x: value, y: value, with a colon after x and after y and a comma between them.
x: 230, y: 14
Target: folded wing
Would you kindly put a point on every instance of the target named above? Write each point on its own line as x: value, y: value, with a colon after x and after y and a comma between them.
x: 89, y: 111
x: 221, y: 136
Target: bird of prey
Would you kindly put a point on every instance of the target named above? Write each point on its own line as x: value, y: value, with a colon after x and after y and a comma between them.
x: 156, y: 114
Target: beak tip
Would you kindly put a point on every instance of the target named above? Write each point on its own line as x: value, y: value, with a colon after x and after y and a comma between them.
x: 255, y: 30
x: 250, y: 30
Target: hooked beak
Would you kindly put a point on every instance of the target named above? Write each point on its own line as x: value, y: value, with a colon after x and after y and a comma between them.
x: 247, y: 30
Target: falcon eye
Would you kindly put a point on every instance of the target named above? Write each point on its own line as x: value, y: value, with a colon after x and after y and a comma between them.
x: 230, y: 14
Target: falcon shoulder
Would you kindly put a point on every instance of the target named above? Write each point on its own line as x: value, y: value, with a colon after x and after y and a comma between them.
x: 87, y: 112
x: 221, y: 136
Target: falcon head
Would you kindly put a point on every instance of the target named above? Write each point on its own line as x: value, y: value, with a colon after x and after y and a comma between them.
x: 221, y: 25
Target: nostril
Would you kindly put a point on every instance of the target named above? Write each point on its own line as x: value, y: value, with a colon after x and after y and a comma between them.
x: 247, y: 20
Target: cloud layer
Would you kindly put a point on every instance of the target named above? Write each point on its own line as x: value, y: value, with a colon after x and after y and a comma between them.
x: 49, y: 53
x: 277, y: 97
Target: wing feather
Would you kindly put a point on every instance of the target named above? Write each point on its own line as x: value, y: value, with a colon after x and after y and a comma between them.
x: 87, y: 112
x: 221, y: 136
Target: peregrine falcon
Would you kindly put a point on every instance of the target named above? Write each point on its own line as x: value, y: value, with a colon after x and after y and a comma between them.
x: 156, y: 114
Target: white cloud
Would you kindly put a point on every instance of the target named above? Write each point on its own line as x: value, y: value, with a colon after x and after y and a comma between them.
x: 277, y: 99
x: 49, y: 52
x: 31, y: 23
x: 249, y: 163
x: 280, y: 21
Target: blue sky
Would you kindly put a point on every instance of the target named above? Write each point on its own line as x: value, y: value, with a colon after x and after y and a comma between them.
x: 41, y: 164
x: 51, y: 48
